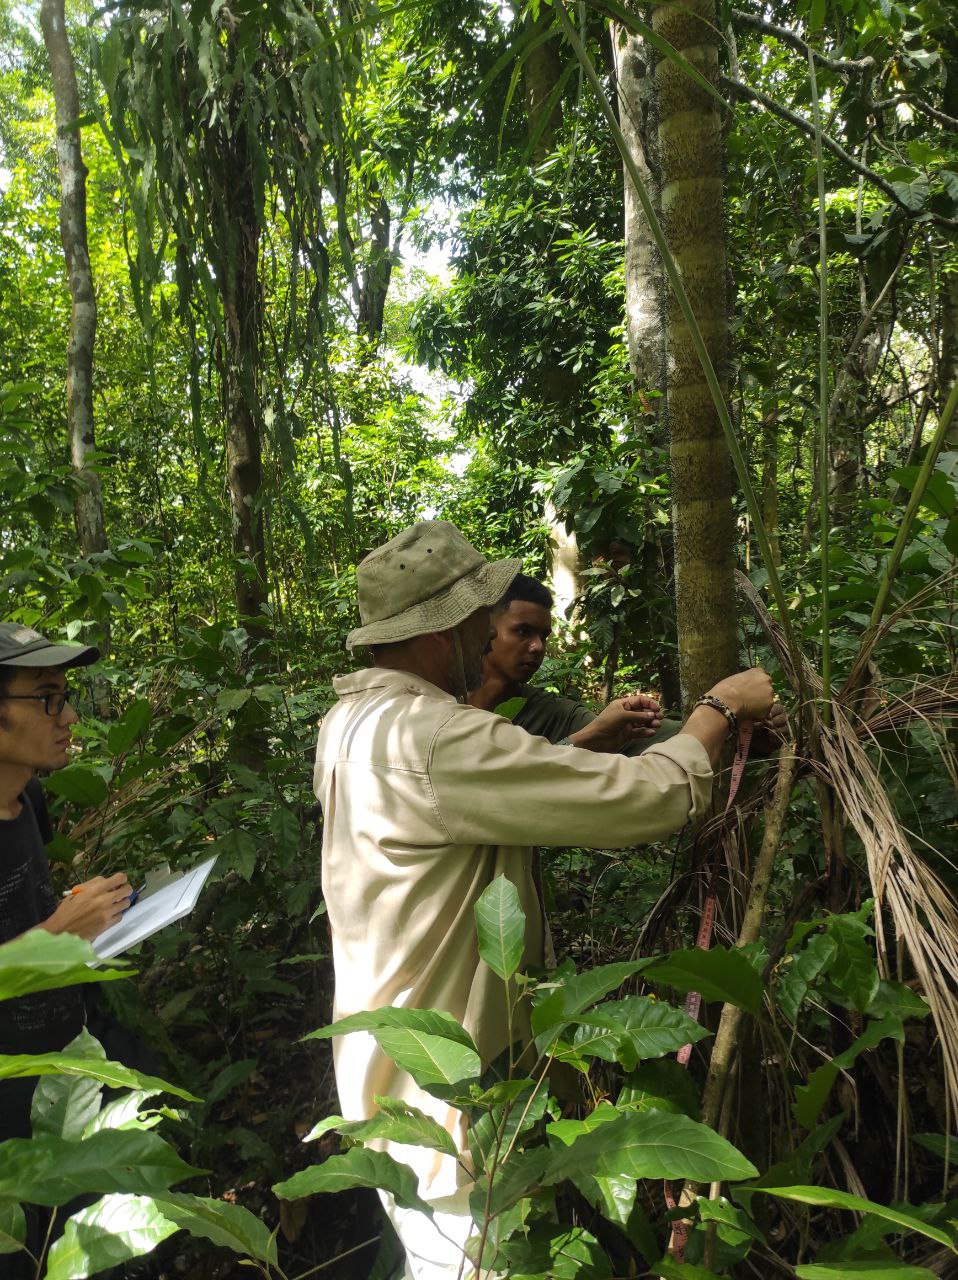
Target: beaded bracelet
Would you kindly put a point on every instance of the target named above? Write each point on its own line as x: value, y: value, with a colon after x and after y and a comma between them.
x: 710, y: 700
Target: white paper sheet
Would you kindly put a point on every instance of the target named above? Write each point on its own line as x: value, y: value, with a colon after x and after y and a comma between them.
x: 164, y: 905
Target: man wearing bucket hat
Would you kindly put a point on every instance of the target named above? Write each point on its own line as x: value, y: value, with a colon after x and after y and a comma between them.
x: 426, y: 800
x: 35, y: 723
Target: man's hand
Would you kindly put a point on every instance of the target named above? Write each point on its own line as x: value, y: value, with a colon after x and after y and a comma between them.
x: 771, y: 732
x: 622, y: 721
x: 92, y: 907
x: 748, y: 693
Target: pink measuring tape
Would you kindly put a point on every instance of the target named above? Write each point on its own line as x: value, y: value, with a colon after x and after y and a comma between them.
x: 693, y: 1001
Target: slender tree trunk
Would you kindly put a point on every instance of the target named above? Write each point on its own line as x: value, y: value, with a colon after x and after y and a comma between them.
x: 770, y: 482
x: 948, y: 364
x: 645, y: 328
x: 643, y: 270
x: 88, y: 504
x: 541, y: 73
x: 691, y: 149
x: 240, y: 291
x: 374, y: 284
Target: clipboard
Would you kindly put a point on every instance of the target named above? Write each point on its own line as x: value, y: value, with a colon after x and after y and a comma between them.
x: 167, y: 902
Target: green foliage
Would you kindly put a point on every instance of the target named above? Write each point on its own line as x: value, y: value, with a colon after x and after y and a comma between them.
x: 521, y: 1155
x: 357, y: 1168
x: 500, y: 925
x: 40, y: 961
x: 344, y: 114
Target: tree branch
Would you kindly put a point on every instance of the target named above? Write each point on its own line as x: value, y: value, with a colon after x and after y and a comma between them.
x: 738, y: 89
x: 913, y: 100
x: 785, y: 36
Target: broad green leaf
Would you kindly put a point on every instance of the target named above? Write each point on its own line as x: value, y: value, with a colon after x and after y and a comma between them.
x: 113, y: 1230
x: 358, y: 1167
x: 588, y: 1042
x: 797, y: 973
x: 232, y: 699
x: 124, y: 1113
x: 430, y: 1060
x: 226, y: 1080
x: 897, y: 999
x: 113, y: 1074
x: 395, y: 1121
x: 225, y: 1224
x: 891, y: 1270
x: 502, y: 1092
x: 938, y: 1144
x: 615, y: 1197
x: 810, y: 1097
x: 939, y: 495
x: 556, y: 1251
x: 735, y: 1227
x: 51, y: 1171
x: 570, y: 995
x: 78, y: 784
x: 64, y: 1105
x: 129, y: 727
x: 434, y: 1022
x: 501, y: 926
x: 653, y: 1144
x: 717, y: 974
x: 567, y: 1131
x: 671, y: 1270
x: 854, y: 971
x: 39, y: 961
x: 828, y: 1198
x: 660, y: 1085
x: 13, y: 1226
x: 644, y: 1028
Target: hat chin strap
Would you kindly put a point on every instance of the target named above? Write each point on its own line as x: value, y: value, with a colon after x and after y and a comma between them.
x: 459, y: 674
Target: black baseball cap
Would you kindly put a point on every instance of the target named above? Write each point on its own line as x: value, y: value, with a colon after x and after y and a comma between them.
x: 21, y: 646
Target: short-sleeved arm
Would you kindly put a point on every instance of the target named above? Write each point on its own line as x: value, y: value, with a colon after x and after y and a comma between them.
x: 494, y: 783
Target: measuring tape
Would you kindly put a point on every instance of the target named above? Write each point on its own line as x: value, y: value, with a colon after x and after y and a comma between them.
x: 693, y: 1001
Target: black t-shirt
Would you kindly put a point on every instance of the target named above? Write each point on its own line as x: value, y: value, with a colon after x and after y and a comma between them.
x: 44, y: 1021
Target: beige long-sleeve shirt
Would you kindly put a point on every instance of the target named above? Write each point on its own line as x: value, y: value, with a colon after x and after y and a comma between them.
x: 425, y: 802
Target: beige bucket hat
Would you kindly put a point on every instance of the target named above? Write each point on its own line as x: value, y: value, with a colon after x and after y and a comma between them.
x: 427, y: 578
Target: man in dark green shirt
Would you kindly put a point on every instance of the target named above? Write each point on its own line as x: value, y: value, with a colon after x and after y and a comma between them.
x: 523, y: 622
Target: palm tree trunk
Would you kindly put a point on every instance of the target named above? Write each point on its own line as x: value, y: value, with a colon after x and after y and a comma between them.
x: 690, y: 148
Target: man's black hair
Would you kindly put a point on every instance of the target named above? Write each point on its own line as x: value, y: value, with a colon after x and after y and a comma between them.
x: 525, y: 588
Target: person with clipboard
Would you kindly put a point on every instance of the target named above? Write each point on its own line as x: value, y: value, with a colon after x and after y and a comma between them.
x: 36, y: 719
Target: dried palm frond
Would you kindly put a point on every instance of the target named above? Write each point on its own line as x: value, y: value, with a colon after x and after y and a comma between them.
x: 922, y: 907
x: 925, y: 700
x: 932, y: 591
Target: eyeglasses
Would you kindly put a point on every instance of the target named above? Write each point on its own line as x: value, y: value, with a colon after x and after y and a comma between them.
x: 53, y: 703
